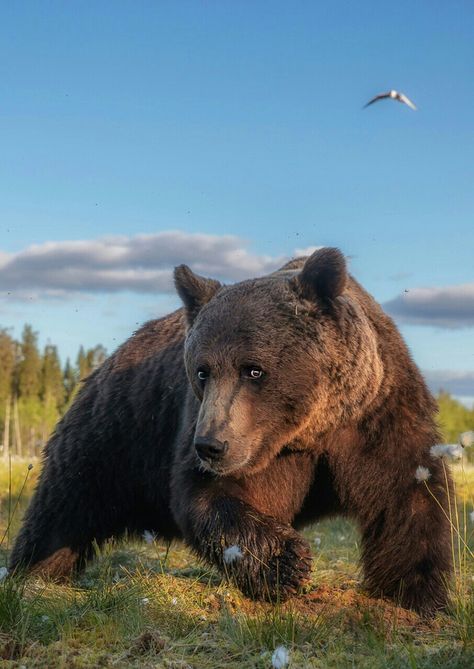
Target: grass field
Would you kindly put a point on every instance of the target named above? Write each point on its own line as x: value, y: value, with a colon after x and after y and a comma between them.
x: 150, y: 605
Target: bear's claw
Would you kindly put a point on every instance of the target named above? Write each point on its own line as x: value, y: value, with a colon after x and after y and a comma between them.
x: 280, y: 570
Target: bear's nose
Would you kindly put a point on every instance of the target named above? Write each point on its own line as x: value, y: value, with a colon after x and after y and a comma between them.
x: 209, y: 448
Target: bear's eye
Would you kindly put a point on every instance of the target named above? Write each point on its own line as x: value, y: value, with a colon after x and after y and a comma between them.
x: 202, y: 374
x: 253, y: 373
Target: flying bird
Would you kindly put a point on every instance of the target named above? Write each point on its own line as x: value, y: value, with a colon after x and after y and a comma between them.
x: 392, y: 95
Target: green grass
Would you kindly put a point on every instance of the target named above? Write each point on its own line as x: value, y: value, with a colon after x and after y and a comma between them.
x: 140, y: 605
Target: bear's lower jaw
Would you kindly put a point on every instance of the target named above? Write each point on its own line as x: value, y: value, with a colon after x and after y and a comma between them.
x: 221, y: 468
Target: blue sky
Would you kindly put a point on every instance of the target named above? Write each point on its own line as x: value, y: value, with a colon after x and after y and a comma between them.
x: 125, y: 121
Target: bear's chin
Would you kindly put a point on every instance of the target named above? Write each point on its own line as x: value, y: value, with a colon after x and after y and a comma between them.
x: 223, y: 469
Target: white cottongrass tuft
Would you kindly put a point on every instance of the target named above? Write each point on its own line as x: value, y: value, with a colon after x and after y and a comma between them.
x: 148, y: 536
x: 422, y: 474
x: 145, y: 600
x: 174, y: 601
x: 466, y: 439
x: 3, y: 573
x: 280, y: 657
x: 232, y: 553
x: 449, y: 451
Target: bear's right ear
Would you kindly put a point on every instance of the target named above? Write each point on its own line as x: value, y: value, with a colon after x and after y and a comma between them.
x: 194, y: 290
x: 323, y: 276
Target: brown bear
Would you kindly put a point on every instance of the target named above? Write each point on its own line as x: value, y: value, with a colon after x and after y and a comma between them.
x: 258, y: 408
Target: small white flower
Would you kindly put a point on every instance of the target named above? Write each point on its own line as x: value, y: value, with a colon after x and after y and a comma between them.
x: 317, y: 541
x: 45, y: 618
x: 232, y: 553
x: 422, y: 474
x: 280, y: 657
x: 455, y: 451
x: 148, y: 536
x: 174, y: 601
x: 471, y: 516
x: 3, y: 573
x: 145, y: 600
x: 466, y: 439
x: 449, y: 451
x: 438, y: 450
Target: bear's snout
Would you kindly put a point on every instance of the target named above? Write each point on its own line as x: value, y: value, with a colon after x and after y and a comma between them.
x: 210, y: 449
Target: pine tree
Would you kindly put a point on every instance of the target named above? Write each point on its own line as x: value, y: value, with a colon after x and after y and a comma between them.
x: 27, y: 405
x: 88, y: 361
x: 29, y: 366
x: 69, y: 381
x: 99, y: 354
x: 7, y: 363
x: 82, y: 364
x: 52, y: 388
x: 52, y: 394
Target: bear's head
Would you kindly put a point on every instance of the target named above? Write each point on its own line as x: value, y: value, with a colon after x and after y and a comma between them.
x: 276, y: 361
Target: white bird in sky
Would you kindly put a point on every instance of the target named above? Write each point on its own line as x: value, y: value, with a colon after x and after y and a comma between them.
x: 392, y: 95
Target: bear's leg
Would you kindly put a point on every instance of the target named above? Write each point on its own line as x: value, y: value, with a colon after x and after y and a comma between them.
x: 406, y: 545
x: 62, y: 524
x: 265, y: 558
x: 47, y: 549
x: 54, y: 545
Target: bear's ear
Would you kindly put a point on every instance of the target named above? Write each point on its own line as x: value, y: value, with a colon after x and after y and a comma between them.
x: 323, y: 276
x: 194, y: 290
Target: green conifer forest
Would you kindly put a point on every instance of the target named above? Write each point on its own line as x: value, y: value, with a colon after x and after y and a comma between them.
x: 36, y: 389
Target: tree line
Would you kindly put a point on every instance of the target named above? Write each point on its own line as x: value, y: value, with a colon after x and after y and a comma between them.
x: 35, y: 390
x: 454, y: 418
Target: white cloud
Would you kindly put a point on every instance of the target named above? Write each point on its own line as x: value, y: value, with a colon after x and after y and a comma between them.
x: 142, y: 263
x: 448, y: 307
x: 460, y: 383
x: 4, y: 257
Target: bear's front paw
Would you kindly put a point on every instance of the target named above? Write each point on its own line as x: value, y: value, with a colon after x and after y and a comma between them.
x: 289, y: 569
x: 274, y: 568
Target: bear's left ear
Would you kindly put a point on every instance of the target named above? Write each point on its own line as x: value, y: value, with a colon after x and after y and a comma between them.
x: 323, y: 276
x: 194, y: 290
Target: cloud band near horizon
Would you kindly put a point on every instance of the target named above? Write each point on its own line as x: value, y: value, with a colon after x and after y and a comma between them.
x: 449, y: 307
x: 460, y: 383
x: 144, y: 264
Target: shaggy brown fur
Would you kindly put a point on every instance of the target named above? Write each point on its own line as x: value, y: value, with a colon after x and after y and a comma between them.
x: 295, y: 398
